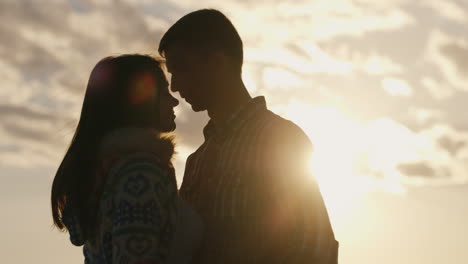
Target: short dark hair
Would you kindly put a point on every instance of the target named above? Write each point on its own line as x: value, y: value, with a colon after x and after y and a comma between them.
x: 204, y: 31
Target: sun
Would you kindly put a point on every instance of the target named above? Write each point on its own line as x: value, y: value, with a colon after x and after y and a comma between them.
x: 349, y: 154
x: 335, y: 159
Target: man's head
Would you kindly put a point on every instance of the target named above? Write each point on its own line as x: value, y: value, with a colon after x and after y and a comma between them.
x: 202, y: 49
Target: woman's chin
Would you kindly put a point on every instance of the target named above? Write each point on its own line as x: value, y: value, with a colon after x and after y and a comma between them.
x: 168, y: 127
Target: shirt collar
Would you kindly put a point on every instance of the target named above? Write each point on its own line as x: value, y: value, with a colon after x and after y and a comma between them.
x: 238, y: 117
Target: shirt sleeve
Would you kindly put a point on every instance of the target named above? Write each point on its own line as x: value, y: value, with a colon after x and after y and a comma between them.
x: 144, y: 205
x: 296, y: 220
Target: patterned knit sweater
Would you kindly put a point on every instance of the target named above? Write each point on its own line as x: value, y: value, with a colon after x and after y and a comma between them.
x: 138, y: 207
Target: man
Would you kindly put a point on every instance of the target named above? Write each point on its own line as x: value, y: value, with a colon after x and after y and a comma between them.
x: 249, y: 179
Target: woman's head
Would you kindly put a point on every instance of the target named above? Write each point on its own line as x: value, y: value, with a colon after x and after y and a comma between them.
x: 128, y: 90
x: 123, y: 91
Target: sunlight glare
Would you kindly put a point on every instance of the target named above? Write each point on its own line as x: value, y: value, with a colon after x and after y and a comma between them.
x: 348, y: 154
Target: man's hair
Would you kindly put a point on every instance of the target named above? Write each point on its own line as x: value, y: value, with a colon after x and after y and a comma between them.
x: 204, y: 31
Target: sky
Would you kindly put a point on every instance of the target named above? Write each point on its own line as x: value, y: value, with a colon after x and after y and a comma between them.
x: 379, y: 86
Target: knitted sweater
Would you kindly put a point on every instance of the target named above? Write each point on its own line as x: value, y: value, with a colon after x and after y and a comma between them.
x: 138, y: 206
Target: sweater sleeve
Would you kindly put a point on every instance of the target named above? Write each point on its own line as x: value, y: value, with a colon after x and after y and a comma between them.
x: 144, y: 206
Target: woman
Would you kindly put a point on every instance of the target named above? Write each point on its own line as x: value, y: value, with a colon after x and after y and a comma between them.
x: 115, y: 190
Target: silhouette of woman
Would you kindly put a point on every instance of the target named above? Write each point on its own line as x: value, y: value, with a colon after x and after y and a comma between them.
x: 115, y: 191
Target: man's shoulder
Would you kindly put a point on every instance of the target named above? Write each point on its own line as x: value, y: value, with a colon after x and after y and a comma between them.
x: 280, y: 129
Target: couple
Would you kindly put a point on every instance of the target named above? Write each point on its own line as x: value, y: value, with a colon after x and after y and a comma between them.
x: 246, y: 196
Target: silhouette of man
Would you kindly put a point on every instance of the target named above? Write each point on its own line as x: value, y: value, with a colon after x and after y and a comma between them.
x: 249, y: 179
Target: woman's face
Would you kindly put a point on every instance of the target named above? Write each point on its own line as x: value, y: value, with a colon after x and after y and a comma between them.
x: 152, y: 102
x: 166, y: 103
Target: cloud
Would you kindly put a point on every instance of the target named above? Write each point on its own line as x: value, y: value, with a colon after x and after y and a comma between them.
x: 446, y: 160
x: 318, y: 20
x: 438, y: 90
x: 381, y: 148
x: 280, y: 78
x: 376, y: 64
x: 452, y: 140
x: 331, y: 53
x: 48, y: 50
x: 426, y: 117
x: 447, y: 9
x: 453, y: 146
x: 457, y: 53
x: 431, y: 156
x: 420, y: 169
x: 397, y: 87
x: 383, y: 153
x: 450, y: 55
x: 321, y: 19
x: 32, y: 137
x: 446, y: 156
x: 286, y: 33
x: 300, y: 58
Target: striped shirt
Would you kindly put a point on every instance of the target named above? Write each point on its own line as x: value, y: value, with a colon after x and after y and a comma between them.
x: 259, y: 204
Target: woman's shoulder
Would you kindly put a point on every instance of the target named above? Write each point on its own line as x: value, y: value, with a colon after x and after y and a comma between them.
x: 135, y: 153
x: 125, y: 141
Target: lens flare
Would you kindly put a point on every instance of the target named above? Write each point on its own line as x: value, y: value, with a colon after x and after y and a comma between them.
x: 143, y: 88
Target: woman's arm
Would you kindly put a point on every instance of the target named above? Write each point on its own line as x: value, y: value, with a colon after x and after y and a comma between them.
x: 144, y: 212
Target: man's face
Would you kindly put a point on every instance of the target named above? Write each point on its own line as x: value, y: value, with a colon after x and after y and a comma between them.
x: 190, y: 76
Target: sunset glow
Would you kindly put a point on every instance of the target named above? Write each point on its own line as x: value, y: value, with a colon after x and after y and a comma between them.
x: 348, y: 154
x: 379, y: 86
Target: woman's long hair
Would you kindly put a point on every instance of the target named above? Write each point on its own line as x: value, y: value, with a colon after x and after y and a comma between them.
x: 116, y: 96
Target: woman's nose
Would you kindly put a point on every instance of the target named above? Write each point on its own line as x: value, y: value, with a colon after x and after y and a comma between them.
x: 173, y: 84
x: 175, y: 101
